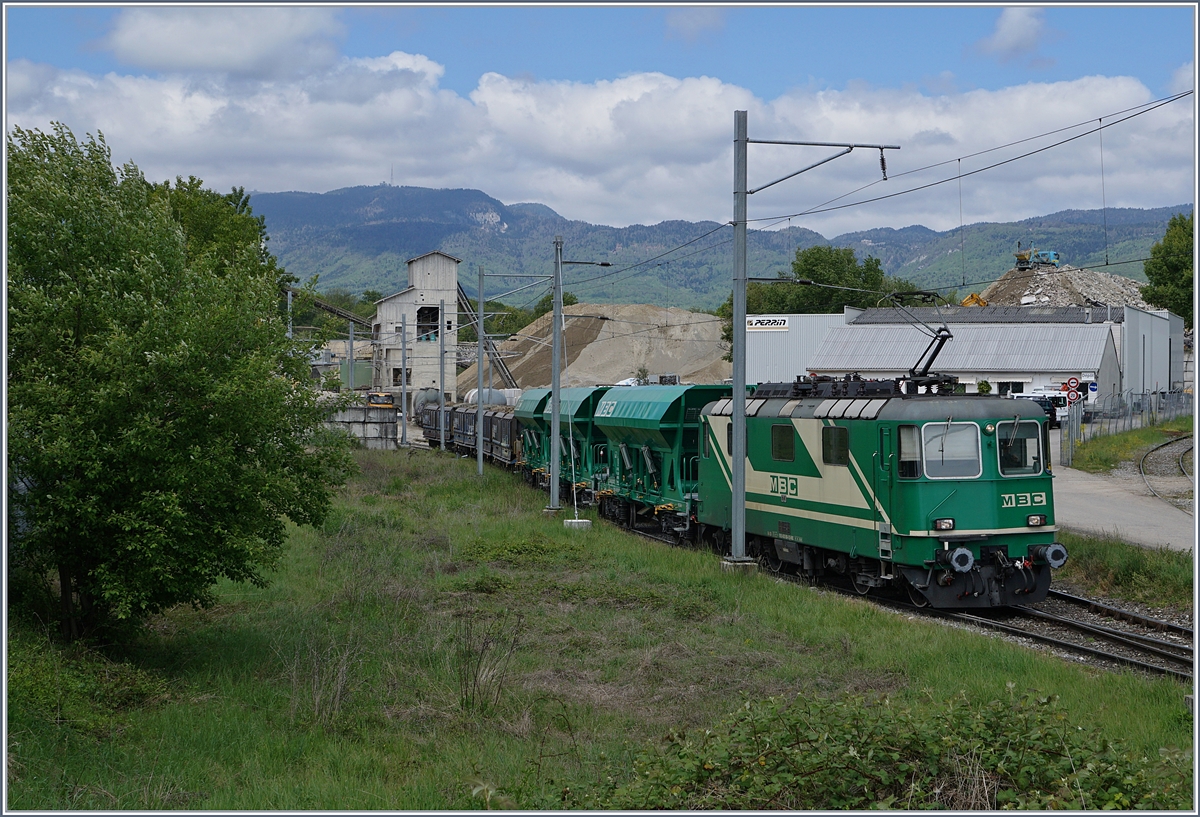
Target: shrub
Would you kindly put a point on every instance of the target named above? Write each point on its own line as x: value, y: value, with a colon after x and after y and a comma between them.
x: 849, y: 753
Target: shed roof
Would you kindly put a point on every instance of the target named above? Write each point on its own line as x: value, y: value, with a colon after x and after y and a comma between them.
x: 992, y: 314
x: 974, y: 348
x: 435, y: 252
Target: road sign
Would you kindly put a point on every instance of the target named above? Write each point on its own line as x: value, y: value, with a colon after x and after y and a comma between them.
x: 1093, y: 387
x: 1072, y: 396
x: 1072, y: 383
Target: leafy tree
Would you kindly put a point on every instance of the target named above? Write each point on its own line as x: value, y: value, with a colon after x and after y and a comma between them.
x: 546, y: 304
x: 161, y: 425
x: 1170, y: 269
x: 822, y: 280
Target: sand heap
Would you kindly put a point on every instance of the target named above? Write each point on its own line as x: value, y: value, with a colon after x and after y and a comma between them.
x: 607, y: 343
x: 1066, y: 286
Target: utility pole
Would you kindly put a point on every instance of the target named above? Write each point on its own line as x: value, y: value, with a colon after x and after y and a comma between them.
x: 351, y: 356
x: 404, y: 378
x: 555, y: 363
x: 479, y: 377
x: 442, y: 374
x: 737, y: 455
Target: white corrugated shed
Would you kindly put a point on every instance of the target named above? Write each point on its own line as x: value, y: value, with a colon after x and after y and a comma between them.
x: 1010, y: 357
x: 776, y: 354
x: 1046, y: 348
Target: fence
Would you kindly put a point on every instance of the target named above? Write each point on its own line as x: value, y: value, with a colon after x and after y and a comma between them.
x: 1115, y: 413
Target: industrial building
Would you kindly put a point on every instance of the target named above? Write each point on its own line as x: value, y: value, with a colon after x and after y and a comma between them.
x: 1111, y: 350
x: 427, y: 310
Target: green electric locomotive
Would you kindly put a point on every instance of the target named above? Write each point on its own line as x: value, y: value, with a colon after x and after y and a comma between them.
x: 946, y: 496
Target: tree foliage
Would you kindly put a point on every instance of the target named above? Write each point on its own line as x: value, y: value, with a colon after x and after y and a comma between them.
x: 834, y: 279
x: 161, y: 424
x: 1169, y: 269
x: 546, y: 304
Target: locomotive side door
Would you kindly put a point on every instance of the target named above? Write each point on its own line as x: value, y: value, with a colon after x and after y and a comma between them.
x: 882, y: 479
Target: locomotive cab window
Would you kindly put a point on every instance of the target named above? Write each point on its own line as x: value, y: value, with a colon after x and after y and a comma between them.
x: 783, y: 443
x: 835, y: 445
x: 1019, y: 448
x: 951, y: 450
x: 910, y: 452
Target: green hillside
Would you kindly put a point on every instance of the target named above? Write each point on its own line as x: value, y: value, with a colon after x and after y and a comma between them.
x: 360, y: 238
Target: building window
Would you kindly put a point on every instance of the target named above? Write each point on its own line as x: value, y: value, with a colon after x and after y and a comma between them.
x: 427, y: 323
x: 397, y: 380
x: 783, y: 443
x: 835, y: 445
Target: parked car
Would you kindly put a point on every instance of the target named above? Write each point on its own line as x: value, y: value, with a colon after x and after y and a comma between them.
x: 1047, y: 404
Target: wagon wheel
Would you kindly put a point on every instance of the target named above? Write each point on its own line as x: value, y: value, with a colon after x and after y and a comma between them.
x: 860, y: 584
x: 771, y: 560
x: 916, y: 596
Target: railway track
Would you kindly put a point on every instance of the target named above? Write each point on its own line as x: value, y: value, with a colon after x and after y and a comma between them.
x: 1065, y: 624
x: 1164, y: 470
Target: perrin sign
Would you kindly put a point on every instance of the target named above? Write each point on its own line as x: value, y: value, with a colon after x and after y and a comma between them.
x: 766, y: 324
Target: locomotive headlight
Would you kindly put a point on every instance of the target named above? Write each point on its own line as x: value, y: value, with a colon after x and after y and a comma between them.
x: 943, y: 524
x: 1035, y: 520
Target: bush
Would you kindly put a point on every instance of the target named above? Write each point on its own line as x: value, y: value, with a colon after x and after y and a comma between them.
x: 811, y: 753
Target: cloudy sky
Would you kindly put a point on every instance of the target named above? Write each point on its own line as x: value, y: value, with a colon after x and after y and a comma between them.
x: 624, y: 115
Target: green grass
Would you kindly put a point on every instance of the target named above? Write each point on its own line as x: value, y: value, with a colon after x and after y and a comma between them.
x: 440, y: 644
x: 1110, y: 567
x: 1102, y: 454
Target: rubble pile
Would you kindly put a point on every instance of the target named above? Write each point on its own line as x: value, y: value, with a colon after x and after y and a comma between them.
x: 1064, y: 286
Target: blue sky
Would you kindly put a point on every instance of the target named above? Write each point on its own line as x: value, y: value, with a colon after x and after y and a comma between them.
x: 622, y: 115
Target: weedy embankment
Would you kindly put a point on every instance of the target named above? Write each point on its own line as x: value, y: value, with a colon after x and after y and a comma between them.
x: 440, y: 644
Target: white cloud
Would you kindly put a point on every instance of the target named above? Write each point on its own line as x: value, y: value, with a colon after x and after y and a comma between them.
x: 639, y: 149
x: 1017, y: 33
x: 254, y: 42
x: 1184, y: 78
x: 690, y: 24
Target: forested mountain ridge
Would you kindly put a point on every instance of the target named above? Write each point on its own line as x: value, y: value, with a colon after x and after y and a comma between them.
x: 359, y: 238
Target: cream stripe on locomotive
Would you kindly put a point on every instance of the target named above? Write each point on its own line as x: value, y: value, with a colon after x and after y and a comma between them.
x: 806, y: 513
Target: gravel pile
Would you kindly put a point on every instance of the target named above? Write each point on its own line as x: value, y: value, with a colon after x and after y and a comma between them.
x: 607, y: 343
x: 1066, y: 286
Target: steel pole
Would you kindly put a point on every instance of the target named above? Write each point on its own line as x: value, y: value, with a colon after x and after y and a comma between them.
x: 479, y: 378
x: 351, y: 356
x: 738, y: 454
x: 555, y: 363
x: 442, y: 374
x: 404, y: 379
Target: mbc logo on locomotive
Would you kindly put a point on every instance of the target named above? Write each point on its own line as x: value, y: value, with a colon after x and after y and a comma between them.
x: 785, y: 485
x: 1022, y: 500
